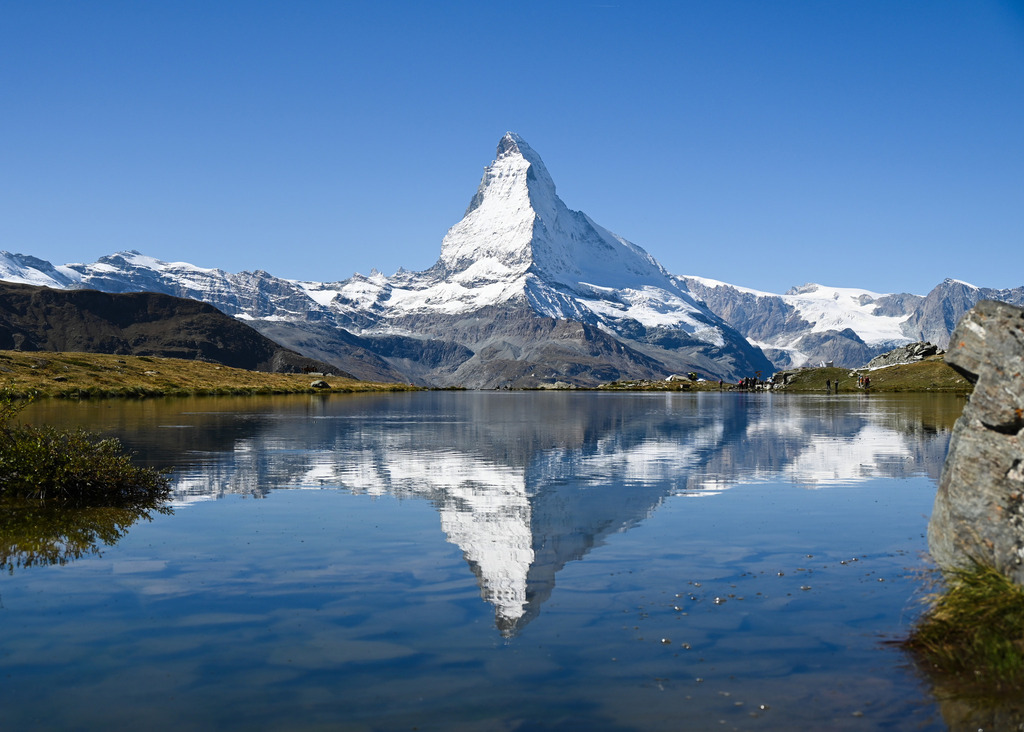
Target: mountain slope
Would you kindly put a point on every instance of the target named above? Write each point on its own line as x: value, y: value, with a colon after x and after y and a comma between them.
x: 521, y: 253
x: 36, y: 318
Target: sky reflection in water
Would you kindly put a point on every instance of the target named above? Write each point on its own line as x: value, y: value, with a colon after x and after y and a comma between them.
x: 603, y: 562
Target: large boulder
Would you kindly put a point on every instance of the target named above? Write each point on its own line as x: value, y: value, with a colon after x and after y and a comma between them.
x: 910, y: 353
x: 979, y: 509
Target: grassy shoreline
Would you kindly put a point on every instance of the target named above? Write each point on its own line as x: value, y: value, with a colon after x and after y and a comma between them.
x: 69, y: 468
x: 929, y: 375
x: 72, y: 375
x: 97, y: 375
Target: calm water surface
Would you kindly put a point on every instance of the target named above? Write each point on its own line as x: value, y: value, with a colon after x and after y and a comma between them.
x: 493, y: 561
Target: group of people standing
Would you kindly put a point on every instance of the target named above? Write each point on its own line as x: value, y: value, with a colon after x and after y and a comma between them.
x: 863, y: 382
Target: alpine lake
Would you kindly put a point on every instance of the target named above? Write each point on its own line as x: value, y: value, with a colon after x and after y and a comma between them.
x: 489, y: 561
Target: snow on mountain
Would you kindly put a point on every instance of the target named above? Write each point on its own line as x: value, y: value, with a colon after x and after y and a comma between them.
x: 847, y: 326
x: 33, y: 271
x: 517, y: 225
x: 827, y: 309
x: 838, y: 308
x: 812, y: 323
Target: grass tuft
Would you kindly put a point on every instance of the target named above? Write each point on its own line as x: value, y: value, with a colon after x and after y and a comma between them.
x: 974, y: 629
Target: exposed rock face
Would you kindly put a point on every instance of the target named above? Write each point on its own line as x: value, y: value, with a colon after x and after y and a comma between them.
x: 910, y: 353
x: 979, y: 508
x: 933, y: 318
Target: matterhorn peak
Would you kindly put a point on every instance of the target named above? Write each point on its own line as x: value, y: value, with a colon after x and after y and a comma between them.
x: 495, y: 236
x: 517, y: 226
x: 509, y: 144
x: 516, y: 171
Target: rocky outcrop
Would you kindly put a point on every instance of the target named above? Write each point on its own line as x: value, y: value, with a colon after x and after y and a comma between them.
x: 979, y: 509
x: 910, y: 353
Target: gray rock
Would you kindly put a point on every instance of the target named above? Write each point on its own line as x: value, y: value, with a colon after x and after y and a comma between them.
x: 319, y: 384
x: 979, y: 508
x: 909, y: 353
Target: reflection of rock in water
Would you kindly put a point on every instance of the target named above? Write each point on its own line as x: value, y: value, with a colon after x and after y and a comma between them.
x: 525, y: 483
x: 966, y: 708
x: 43, y: 533
x: 961, y: 715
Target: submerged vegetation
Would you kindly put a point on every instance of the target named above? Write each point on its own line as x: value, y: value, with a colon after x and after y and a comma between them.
x: 71, y: 467
x: 974, y: 630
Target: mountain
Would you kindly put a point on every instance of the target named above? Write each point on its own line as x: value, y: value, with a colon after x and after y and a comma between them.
x: 34, y: 318
x: 541, y: 293
x: 815, y: 323
x: 527, y: 292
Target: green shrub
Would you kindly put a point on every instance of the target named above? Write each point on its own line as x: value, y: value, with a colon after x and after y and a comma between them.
x: 70, y: 466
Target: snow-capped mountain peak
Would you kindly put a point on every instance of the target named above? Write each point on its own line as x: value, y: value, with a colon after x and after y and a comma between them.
x: 516, y: 224
x: 494, y: 238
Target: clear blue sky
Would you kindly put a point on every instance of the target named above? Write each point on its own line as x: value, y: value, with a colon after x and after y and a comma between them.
x: 876, y: 143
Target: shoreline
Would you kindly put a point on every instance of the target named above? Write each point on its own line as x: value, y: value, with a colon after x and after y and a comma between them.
x: 76, y: 375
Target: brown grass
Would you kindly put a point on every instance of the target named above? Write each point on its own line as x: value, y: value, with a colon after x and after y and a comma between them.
x: 85, y: 375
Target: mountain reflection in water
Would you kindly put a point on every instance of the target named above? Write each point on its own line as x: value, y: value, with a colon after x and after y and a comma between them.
x: 525, y: 483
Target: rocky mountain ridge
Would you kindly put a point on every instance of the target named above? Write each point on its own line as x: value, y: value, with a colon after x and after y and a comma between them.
x: 814, y: 323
